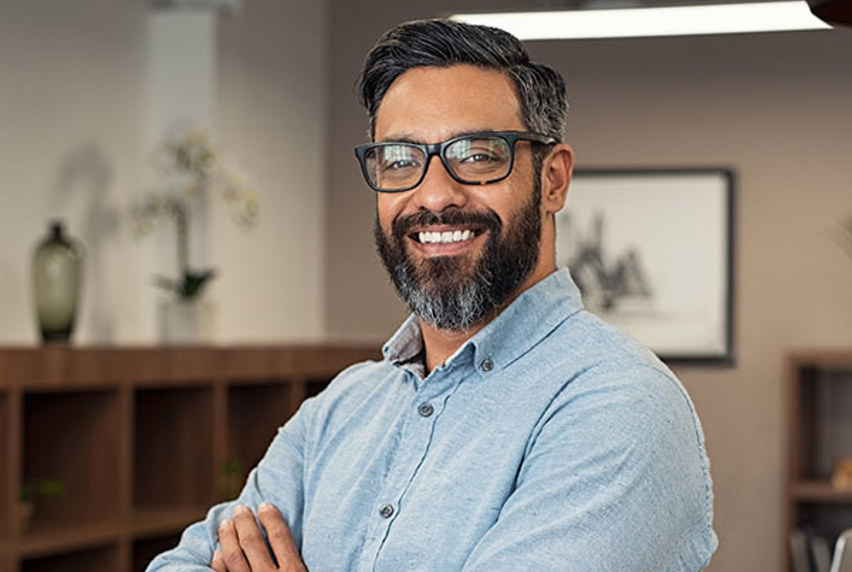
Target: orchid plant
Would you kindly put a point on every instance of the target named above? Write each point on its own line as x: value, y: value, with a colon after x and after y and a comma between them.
x: 192, y: 159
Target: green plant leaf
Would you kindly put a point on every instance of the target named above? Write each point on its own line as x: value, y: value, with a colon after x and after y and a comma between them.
x: 193, y: 283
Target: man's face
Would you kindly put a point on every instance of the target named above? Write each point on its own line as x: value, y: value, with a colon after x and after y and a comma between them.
x: 492, y: 249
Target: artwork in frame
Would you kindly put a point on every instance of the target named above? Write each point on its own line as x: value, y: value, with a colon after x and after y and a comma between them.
x: 651, y: 251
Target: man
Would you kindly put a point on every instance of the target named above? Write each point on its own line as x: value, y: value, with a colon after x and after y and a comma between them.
x: 506, y: 428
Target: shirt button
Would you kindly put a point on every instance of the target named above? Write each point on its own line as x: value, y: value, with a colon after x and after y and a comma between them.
x: 425, y: 409
x: 487, y: 365
x: 386, y: 511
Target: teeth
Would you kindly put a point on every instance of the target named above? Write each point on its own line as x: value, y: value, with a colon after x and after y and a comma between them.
x: 446, y: 237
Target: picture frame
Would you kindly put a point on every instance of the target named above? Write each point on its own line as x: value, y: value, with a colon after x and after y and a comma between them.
x: 652, y: 253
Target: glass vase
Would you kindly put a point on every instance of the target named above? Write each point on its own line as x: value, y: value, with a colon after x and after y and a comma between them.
x: 57, y: 270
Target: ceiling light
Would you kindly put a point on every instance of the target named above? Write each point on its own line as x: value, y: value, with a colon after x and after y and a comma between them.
x: 644, y: 22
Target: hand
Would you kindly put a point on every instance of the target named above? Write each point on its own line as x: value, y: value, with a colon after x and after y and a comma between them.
x: 243, y: 548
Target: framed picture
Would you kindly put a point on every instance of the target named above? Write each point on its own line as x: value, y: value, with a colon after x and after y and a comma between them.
x: 651, y: 251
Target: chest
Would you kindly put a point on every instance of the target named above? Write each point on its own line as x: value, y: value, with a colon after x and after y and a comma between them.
x: 412, y: 480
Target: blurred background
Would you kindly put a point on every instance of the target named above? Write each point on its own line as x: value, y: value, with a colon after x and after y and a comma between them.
x: 89, y: 87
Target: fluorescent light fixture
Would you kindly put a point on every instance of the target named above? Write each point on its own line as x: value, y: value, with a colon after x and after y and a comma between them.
x: 645, y: 22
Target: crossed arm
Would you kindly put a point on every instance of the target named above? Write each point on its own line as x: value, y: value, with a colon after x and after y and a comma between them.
x: 243, y: 548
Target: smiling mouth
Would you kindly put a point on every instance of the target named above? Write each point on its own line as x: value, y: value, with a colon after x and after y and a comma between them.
x: 443, y: 237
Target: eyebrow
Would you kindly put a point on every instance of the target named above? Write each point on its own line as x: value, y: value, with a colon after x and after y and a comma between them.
x: 410, y: 139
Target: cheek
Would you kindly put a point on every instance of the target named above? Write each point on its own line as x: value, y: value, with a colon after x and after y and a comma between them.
x: 383, y: 210
x: 508, y: 203
x: 389, y: 206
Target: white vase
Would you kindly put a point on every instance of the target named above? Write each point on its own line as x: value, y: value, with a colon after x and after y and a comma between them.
x: 183, y: 322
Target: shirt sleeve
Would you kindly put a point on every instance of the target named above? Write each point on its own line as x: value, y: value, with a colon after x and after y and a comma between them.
x: 277, y: 479
x: 615, y: 479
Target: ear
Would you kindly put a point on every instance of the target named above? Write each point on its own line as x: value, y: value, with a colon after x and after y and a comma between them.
x: 555, y: 177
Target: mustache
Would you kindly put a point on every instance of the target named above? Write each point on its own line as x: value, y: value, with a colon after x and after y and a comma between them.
x: 487, y: 219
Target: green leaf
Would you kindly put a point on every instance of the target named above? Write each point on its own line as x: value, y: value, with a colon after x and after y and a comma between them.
x: 193, y: 283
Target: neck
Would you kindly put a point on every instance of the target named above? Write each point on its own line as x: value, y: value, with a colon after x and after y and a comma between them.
x: 440, y: 344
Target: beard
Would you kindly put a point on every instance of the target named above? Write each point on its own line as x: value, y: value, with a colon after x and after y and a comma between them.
x: 447, y: 291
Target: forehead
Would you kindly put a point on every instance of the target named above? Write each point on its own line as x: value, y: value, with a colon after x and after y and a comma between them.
x: 431, y: 104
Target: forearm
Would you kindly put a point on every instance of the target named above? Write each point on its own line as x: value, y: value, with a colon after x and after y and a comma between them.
x: 195, y: 549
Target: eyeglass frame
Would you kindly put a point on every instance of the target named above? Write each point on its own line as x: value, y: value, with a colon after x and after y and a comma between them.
x: 437, y: 149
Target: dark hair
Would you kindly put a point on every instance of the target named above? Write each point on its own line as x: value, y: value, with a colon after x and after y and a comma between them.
x: 443, y: 43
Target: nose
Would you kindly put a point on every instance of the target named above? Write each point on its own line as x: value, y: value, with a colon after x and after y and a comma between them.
x: 438, y: 190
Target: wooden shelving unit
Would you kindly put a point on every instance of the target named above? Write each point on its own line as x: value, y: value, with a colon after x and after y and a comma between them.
x: 819, y: 420
x: 139, y: 439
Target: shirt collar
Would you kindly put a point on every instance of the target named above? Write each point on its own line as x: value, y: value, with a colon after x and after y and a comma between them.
x: 528, y: 319
x: 406, y: 345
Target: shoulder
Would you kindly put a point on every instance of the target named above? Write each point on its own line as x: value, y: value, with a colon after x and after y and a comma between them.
x: 603, y: 370
x: 359, y: 379
x: 620, y: 402
x: 354, y: 392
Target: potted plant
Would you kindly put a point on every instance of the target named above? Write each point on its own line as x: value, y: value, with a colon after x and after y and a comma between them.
x: 233, y: 478
x: 192, y: 164
x: 32, y: 493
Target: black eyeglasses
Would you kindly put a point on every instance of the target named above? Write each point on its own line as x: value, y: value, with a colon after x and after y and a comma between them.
x: 472, y: 159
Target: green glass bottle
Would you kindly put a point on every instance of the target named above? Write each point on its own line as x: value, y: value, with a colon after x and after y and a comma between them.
x: 57, y: 271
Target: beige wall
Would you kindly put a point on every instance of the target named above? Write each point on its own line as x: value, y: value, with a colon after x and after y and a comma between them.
x: 775, y: 109
x: 73, y: 105
x: 272, y: 106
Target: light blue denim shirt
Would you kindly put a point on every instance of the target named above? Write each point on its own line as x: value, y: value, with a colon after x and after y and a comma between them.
x: 549, y: 441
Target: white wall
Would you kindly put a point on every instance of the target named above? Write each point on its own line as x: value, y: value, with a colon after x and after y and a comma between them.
x: 73, y: 102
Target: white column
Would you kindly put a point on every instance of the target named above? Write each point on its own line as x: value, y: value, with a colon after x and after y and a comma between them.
x: 181, y: 84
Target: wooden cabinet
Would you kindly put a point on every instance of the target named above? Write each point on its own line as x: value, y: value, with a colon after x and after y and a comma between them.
x: 143, y: 441
x: 820, y: 435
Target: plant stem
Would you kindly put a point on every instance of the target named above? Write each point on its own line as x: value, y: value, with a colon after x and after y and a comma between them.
x: 182, y: 224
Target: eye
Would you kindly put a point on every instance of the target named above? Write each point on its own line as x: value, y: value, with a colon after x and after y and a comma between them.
x: 479, y: 157
x: 399, y: 164
x: 397, y: 158
x: 478, y: 151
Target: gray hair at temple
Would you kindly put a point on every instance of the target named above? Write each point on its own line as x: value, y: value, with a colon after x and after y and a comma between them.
x: 443, y: 43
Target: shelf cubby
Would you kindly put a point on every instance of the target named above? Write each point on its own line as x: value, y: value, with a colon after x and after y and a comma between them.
x: 315, y: 386
x: 825, y: 397
x: 71, y: 437
x: 825, y: 519
x: 97, y: 559
x: 173, y: 448
x: 145, y: 549
x: 268, y: 404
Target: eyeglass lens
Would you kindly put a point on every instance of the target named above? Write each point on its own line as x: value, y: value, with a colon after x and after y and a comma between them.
x: 473, y: 160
